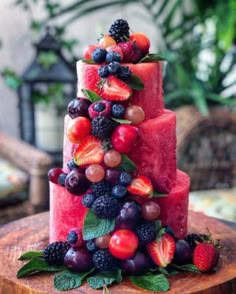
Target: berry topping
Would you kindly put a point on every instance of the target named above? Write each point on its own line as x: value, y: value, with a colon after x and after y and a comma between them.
x: 114, y: 67
x: 129, y: 215
x: 105, y: 207
x: 102, y: 127
x: 103, y: 71
x: 113, y: 56
x: 75, y: 237
x: 53, y: 174
x: 102, y: 188
x: 107, y: 41
x: 123, y: 244
x: 118, y: 110
x: 142, y: 41
x: 162, y: 250
x: 194, y: 239
x: 131, y: 52
x: 118, y: 191
x: 99, y: 55
x: 136, y: 265
x: 78, y: 259
x: 100, y: 108
x: 112, y: 175
x: 104, y: 261
x: 125, y: 73
x: 71, y: 164
x: 119, y: 30
x: 89, y: 51
x: 91, y: 246
x: 163, y: 184
x: 115, y: 48
x: 205, y: 256
x: 61, y: 179
x: 135, y: 114
x: 125, y: 179
x: 150, y: 210
x: 112, y: 158
x: 77, y: 129
x: 141, y: 186
x: 116, y: 90
x: 78, y: 107
x: 146, y: 232
x: 89, y: 151
x: 95, y: 173
x: 88, y: 200
x: 183, y: 253
x: 76, y: 182
x: 124, y: 138
x: 55, y: 252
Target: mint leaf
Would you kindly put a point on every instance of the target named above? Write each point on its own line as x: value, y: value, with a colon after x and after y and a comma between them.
x: 135, y: 82
x: 151, y: 282
x: 88, y: 61
x: 68, y: 280
x: 163, y: 271
x: 30, y: 255
x: 100, y: 280
x: 153, y: 57
x: 122, y: 121
x: 91, y: 95
x: 95, y: 227
x: 37, y: 264
x: 127, y: 164
x: 157, y: 194
x: 186, y: 267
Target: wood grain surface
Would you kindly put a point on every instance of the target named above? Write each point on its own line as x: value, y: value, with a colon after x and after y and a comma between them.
x: 31, y: 233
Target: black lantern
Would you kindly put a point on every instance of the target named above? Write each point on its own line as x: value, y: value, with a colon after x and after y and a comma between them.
x: 48, y: 84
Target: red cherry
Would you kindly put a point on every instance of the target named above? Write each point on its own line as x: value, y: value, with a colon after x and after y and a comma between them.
x: 124, y: 138
x: 78, y: 128
x: 54, y: 173
x: 142, y: 41
x: 89, y: 50
x: 123, y: 244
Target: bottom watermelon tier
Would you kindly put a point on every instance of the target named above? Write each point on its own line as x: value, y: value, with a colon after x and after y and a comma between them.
x: 67, y: 211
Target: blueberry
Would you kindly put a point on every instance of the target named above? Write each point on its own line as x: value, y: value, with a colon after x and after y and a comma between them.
x: 118, y: 110
x: 125, y: 73
x: 99, y: 55
x: 88, y: 200
x: 113, y: 56
x: 72, y: 237
x: 114, y: 67
x: 91, y: 245
x: 103, y: 71
x: 125, y: 179
x: 61, y: 179
x: 71, y: 164
x: 118, y: 191
x: 99, y: 106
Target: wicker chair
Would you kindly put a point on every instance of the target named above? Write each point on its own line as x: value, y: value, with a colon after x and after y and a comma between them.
x: 36, y: 164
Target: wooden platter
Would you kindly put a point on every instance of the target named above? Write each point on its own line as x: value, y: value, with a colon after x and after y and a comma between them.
x: 31, y: 233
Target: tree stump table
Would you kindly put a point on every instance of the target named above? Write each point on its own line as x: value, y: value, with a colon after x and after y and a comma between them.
x: 31, y: 233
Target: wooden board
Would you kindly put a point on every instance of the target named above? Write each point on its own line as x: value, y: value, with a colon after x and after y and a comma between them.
x: 31, y: 233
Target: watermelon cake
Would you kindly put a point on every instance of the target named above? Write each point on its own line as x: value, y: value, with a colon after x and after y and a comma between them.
x: 119, y: 204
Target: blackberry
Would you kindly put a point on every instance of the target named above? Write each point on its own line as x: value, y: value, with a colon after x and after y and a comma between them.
x: 146, y: 232
x: 104, y: 261
x: 125, y: 73
x: 72, y: 237
x: 118, y: 110
x: 88, y: 200
x: 119, y: 30
x: 102, y: 127
x: 99, y: 55
x: 102, y: 188
x: 194, y: 239
x: 113, y: 56
x: 71, y: 164
x: 61, y: 179
x: 55, y: 252
x: 114, y: 67
x: 105, y: 207
x: 91, y: 246
x: 103, y: 71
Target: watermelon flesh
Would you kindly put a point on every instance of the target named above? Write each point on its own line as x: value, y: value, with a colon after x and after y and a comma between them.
x: 150, y: 74
x: 66, y: 212
x: 174, y: 207
x: 154, y: 154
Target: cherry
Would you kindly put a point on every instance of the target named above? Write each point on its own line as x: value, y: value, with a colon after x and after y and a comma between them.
x: 54, y: 174
x: 78, y: 259
x: 150, y: 210
x: 78, y: 128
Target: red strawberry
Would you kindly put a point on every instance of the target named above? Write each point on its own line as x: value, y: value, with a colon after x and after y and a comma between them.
x: 205, y: 256
x: 131, y: 52
x: 142, y: 41
x: 116, y: 90
x: 89, y: 151
x: 141, y: 186
x: 162, y: 250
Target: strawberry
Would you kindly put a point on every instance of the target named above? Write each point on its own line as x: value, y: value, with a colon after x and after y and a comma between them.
x: 89, y: 151
x: 115, y: 90
x: 131, y: 52
x: 162, y: 250
x: 205, y: 256
x: 142, y: 42
x: 141, y: 186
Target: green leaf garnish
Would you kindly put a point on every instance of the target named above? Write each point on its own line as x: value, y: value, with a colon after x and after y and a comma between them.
x: 186, y: 267
x: 127, y: 164
x: 122, y: 121
x: 95, y: 227
x: 135, y: 82
x: 91, y: 95
x: 68, y: 280
x: 157, y: 194
x: 152, y: 57
x: 88, y: 61
x: 30, y: 255
x: 151, y: 282
x: 35, y: 265
x: 100, y: 280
